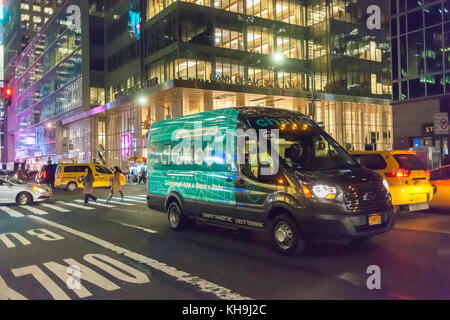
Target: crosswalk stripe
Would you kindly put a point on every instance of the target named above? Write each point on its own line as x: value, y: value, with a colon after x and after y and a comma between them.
x: 75, y: 205
x: 54, y: 207
x: 130, y: 200
x: 35, y: 210
x: 142, y: 196
x: 97, y: 204
x: 118, y: 202
x: 11, y: 212
x: 135, y: 197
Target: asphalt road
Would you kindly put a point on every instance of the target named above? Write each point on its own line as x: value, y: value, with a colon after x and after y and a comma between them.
x: 126, y: 251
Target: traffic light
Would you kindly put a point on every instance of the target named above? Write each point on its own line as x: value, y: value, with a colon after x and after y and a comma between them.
x: 7, y: 94
x: 146, y: 124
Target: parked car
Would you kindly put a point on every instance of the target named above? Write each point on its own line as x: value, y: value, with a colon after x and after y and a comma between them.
x: 408, y: 177
x: 440, y: 180
x: 47, y: 175
x: 68, y: 175
x: 16, y: 191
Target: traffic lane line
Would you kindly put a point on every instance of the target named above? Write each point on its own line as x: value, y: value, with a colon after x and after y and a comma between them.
x: 201, y: 284
x: 133, y: 226
x: 446, y: 232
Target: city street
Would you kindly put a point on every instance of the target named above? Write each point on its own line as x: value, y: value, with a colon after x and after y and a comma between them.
x: 126, y: 251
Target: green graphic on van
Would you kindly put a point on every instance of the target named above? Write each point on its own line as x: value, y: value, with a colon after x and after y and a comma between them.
x: 188, y: 156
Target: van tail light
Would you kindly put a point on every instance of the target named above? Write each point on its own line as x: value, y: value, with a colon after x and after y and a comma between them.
x: 61, y: 179
x: 44, y: 175
x: 398, y: 174
x: 428, y: 173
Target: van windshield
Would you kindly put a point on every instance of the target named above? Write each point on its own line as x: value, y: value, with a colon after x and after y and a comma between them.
x: 309, y: 149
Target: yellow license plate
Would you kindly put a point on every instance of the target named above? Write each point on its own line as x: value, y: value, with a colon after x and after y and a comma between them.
x: 374, y: 220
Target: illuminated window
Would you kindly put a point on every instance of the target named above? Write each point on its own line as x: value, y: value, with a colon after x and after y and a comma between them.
x: 24, y: 17
x: 37, y: 8
x: 225, y: 38
x: 259, y: 41
x: 48, y: 10
x: 37, y: 19
x: 24, y: 6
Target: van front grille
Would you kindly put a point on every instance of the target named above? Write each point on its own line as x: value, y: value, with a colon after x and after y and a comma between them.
x: 366, y: 197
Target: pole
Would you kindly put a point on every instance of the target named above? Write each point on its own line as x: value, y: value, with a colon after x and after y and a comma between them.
x: 313, y: 106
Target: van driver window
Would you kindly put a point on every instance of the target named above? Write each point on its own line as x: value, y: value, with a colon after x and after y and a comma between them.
x: 308, y: 149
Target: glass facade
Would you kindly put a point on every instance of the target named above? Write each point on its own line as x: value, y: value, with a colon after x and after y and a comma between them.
x: 420, y: 48
x: 48, y: 85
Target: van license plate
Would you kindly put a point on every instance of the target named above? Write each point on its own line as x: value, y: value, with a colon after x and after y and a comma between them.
x: 374, y: 220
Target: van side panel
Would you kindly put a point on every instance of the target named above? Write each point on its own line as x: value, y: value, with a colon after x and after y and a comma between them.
x: 189, y: 155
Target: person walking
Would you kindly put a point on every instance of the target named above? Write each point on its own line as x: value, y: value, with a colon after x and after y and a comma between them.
x: 88, y: 186
x: 116, y: 186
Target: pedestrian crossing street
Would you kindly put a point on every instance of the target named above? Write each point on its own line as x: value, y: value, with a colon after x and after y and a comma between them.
x: 76, y: 205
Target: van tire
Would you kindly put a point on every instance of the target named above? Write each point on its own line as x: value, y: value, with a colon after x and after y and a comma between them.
x: 71, y: 186
x: 177, y: 220
x: 286, y: 236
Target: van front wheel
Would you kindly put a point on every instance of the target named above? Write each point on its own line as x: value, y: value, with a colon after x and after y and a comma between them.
x: 286, y: 236
x: 177, y: 220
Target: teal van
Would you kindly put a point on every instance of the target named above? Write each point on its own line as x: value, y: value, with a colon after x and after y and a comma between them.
x: 264, y: 169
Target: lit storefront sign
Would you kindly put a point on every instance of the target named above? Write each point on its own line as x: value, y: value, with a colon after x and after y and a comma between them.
x: 134, y: 23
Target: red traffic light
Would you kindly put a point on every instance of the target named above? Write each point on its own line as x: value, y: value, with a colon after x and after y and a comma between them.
x: 7, y: 92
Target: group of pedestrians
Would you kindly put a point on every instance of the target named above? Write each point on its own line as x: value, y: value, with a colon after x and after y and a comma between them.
x: 89, y: 179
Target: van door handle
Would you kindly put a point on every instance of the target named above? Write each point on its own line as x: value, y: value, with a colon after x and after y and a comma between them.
x: 228, y: 179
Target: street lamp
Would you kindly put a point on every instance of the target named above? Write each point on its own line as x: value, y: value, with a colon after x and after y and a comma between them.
x: 278, y: 57
x: 143, y: 101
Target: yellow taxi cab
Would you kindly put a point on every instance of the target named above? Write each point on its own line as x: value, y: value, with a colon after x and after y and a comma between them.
x: 407, y: 176
x: 440, y: 180
x: 68, y: 175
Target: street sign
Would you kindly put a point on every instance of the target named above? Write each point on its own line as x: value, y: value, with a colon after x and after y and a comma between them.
x: 441, y: 123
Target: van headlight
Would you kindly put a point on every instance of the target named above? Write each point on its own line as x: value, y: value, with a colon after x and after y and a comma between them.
x: 386, y: 184
x: 324, y: 192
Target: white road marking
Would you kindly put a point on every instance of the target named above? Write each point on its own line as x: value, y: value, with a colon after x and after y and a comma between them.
x: 76, y: 205
x: 117, y: 202
x: 97, y: 204
x: 202, y: 284
x: 131, y: 226
x: 423, y: 230
x: 126, y: 199
x: 354, y: 278
x: 11, y: 212
x: 54, y: 207
x: 135, y: 198
x: 35, y: 210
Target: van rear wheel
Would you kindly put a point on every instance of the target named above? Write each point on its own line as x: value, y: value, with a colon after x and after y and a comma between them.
x: 286, y: 236
x: 177, y: 220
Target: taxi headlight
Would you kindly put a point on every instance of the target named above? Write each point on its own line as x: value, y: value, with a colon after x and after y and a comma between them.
x: 324, y: 192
